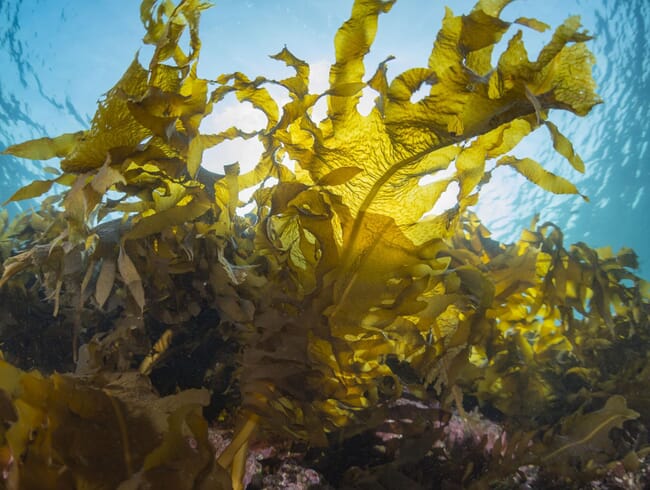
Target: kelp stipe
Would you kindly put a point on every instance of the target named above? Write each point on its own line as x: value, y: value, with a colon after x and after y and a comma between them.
x: 333, y: 298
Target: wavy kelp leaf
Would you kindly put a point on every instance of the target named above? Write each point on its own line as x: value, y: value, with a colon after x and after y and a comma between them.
x: 17, y: 263
x: 166, y: 22
x: 554, y: 76
x: 534, y: 172
x: 351, y: 43
x: 491, y: 7
x: 158, y: 349
x: 251, y: 91
x: 153, y: 19
x: 189, y: 210
x: 106, y: 178
x: 564, y: 147
x: 298, y: 85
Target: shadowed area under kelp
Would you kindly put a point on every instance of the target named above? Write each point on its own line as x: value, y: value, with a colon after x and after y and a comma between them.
x: 339, y: 306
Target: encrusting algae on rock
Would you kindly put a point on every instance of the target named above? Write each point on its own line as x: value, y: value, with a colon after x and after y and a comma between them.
x: 311, y: 316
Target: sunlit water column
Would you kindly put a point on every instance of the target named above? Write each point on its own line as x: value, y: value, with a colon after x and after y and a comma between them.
x: 612, y: 140
x: 59, y: 57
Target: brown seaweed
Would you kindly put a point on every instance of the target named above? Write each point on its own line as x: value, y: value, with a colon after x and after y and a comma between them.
x: 339, y: 298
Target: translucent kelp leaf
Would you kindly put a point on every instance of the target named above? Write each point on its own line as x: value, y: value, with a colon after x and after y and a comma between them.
x: 532, y: 23
x: 491, y: 7
x: 113, y: 125
x: 250, y: 91
x: 31, y: 190
x: 504, y: 138
x: 46, y: 148
x: 37, y: 188
x: 106, y: 178
x: 480, y: 30
x: 155, y: 26
x: 297, y: 85
x: 534, y: 172
x: 166, y: 35
x: 564, y: 147
x: 351, y: 43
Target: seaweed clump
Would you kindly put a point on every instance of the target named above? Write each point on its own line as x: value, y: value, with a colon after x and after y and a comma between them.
x: 316, y: 313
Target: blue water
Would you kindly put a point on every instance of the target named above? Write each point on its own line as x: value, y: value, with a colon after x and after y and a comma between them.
x: 57, y: 59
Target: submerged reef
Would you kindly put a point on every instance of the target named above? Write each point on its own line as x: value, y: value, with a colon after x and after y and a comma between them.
x: 339, y: 313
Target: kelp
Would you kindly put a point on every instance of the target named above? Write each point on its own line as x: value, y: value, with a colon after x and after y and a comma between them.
x: 340, y: 292
x: 103, y: 432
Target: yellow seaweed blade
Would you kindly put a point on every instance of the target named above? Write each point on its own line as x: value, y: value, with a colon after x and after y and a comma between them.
x: 113, y: 125
x: 351, y: 43
x: 46, y: 148
x: 534, y: 172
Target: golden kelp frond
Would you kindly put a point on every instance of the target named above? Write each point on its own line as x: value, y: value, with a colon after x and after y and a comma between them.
x: 103, y: 433
x: 351, y: 44
x: 562, y: 346
x: 143, y: 143
x: 563, y: 314
x: 165, y: 24
x: 399, y: 142
x: 534, y: 172
x: 368, y: 164
x: 46, y: 148
x: 340, y: 232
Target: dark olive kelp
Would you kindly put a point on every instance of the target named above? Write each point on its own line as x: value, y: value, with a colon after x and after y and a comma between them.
x: 338, y: 295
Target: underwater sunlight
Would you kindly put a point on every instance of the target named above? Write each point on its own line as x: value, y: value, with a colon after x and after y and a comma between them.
x: 235, y: 280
